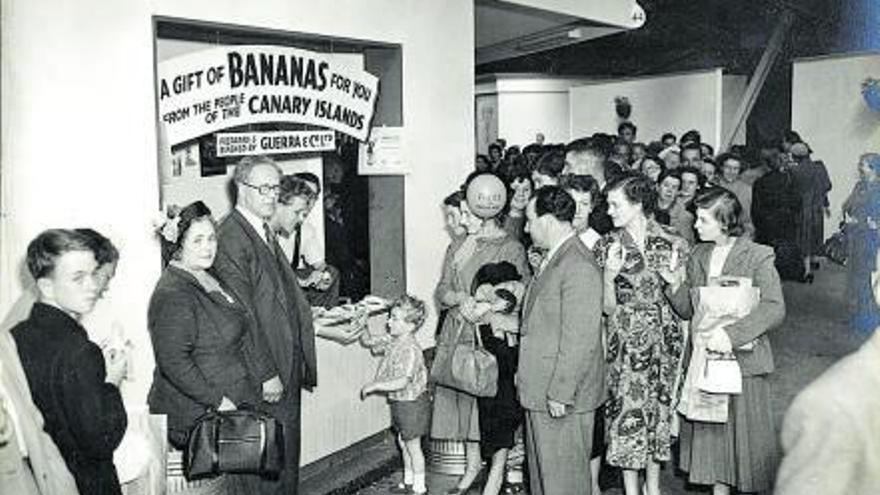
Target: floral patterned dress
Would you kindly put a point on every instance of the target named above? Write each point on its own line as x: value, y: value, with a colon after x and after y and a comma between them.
x: 645, y: 346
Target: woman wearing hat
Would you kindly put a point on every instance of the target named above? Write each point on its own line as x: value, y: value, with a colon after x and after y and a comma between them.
x: 455, y: 415
x: 812, y: 182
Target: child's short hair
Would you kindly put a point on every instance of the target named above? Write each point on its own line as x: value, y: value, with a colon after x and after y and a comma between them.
x: 414, y: 307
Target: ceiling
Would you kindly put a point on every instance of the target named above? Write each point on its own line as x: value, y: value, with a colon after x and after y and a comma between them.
x: 679, y: 35
x: 509, y: 29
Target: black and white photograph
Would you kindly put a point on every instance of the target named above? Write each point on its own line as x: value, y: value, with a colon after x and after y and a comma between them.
x: 457, y: 247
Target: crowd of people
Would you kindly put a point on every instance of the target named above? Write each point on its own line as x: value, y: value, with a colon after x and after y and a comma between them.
x: 663, y: 229
x: 606, y: 277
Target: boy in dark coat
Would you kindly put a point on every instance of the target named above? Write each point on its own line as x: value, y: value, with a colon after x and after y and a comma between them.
x: 75, y: 390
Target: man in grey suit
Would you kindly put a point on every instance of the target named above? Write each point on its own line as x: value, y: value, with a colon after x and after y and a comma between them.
x: 251, y: 262
x: 561, y: 377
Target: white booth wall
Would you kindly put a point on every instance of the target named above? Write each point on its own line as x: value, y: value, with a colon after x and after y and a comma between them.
x: 518, y: 107
x: 828, y: 111
x: 702, y: 100
x: 80, y: 144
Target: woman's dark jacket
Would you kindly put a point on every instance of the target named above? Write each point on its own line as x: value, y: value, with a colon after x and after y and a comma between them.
x: 203, y: 352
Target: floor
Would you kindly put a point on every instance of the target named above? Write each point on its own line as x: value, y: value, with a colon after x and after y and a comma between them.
x: 813, y: 336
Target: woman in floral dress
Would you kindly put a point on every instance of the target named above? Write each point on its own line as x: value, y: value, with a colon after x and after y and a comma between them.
x: 645, y: 339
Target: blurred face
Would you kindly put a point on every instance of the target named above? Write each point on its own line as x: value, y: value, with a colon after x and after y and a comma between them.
x: 621, y: 210
x: 397, y: 324
x: 103, y: 274
x: 577, y: 164
x: 668, y: 141
x: 622, y: 149
x: 865, y: 170
x: 708, y: 170
x: 706, y: 151
x: 583, y: 207
x: 257, y: 203
x: 481, y: 164
x: 72, y: 285
x: 709, y: 229
x: 199, y: 246
x: 494, y: 154
x: 292, y: 214
x: 452, y: 215
x: 542, y: 180
x: 627, y: 134
x: 689, y: 185
x: 672, y: 160
x: 522, y: 193
x: 469, y: 221
x: 691, y: 158
x: 536, y: 227
x: 730, y: 170
x: 668, y: 189
x: 651, y: 169
x: 539, y: 138
x: 638, y: 152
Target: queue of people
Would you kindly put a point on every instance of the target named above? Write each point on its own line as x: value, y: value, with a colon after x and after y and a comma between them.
x: 592, y: 274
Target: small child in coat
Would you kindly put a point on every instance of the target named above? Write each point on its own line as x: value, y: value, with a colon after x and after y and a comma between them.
x: 403, y: 376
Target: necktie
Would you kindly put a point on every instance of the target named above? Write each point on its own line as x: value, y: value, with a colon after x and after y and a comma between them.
x: 270, y: 239
x: 297, y: 239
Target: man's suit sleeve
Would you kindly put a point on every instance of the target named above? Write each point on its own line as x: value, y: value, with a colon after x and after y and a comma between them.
x: 579, y: 339
x: 234, y: 266
x: 822, y: 449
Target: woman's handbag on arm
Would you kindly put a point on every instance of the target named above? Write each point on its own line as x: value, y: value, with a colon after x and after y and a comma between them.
x: 246, y: 441
x: 467, y: 367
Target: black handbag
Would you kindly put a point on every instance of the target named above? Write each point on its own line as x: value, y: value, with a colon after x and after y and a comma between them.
x: 244, y: 441
x: 835, y: 247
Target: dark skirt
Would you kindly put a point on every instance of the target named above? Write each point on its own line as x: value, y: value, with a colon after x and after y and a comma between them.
x: 743, y: 452
x: 501, y: 415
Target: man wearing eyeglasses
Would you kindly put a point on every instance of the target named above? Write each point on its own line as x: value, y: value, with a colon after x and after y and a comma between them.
x: 250, y: 261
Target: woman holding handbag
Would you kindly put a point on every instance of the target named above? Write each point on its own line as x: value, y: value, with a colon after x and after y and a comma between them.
x: 742, y: 451
x: 455, y: 415
x: 204, y: 356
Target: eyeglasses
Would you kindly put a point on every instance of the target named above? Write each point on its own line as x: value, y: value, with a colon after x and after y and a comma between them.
x: 264, y: 189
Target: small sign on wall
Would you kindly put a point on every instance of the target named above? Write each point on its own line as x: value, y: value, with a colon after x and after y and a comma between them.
x: 382, y: 153
x: 274, y: 142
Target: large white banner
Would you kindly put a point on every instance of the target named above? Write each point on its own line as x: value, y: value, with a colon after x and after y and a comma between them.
x: 224, y: 87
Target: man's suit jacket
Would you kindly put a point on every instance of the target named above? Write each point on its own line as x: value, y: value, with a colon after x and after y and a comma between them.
x: 282, y: 318
x: 561, y: 356
x: 831, y: 432
x: 746, y: 259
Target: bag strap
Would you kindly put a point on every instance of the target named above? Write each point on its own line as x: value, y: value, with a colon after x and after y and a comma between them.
x: 215, y: 449
x: 263, y: 453
x: 479, y: 338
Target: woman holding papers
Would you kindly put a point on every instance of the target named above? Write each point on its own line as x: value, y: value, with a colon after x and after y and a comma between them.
x: 731, y: 290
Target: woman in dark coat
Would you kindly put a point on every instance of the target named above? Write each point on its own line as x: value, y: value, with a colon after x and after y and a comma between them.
x: 204, y: 356
x: 861, y: 212
x: 811, y: 179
